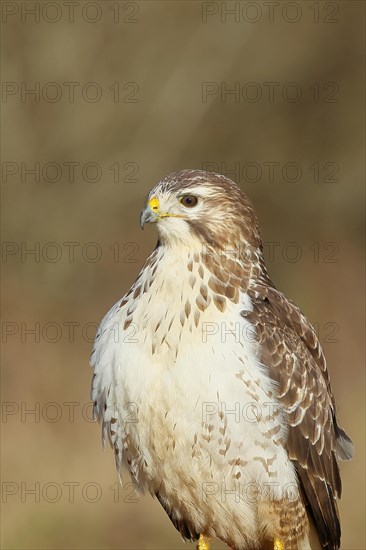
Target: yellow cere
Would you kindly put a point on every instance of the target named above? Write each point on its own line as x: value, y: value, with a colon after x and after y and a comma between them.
x: 154, y: 204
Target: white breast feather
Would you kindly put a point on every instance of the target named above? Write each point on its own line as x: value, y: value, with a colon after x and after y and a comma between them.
x: 191, y: 407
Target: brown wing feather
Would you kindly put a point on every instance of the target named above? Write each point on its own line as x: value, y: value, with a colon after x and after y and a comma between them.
x: 291, y: 351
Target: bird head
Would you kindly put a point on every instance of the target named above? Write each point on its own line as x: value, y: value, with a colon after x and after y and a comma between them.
x: 196, y: 208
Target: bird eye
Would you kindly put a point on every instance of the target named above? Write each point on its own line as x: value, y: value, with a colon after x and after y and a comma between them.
x: 188, y: 200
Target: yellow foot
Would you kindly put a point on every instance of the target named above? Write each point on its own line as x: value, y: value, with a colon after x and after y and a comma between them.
x: 204, y: 543
x: 278, y: 544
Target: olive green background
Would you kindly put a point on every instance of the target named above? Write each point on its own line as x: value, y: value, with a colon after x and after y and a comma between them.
x: 162, y: 54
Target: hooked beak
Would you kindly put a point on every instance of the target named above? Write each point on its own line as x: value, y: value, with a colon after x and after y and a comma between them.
x: 151, y: 213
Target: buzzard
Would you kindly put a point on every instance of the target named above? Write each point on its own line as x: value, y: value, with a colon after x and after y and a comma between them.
x: 212, y: 386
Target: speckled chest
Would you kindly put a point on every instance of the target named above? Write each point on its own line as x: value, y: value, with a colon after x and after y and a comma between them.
x: 193, y: 375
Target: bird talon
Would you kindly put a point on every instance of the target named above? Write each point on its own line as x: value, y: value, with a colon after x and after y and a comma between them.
x: 278, y: 545
x: 203, y: 543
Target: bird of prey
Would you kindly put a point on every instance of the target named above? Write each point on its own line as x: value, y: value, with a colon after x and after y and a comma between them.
x: 212, y: 386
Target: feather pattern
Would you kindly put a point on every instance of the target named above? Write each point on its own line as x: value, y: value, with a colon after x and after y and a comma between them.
x: 209, y: 382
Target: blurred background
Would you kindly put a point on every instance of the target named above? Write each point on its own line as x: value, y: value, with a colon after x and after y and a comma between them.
x: 99, y: 101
